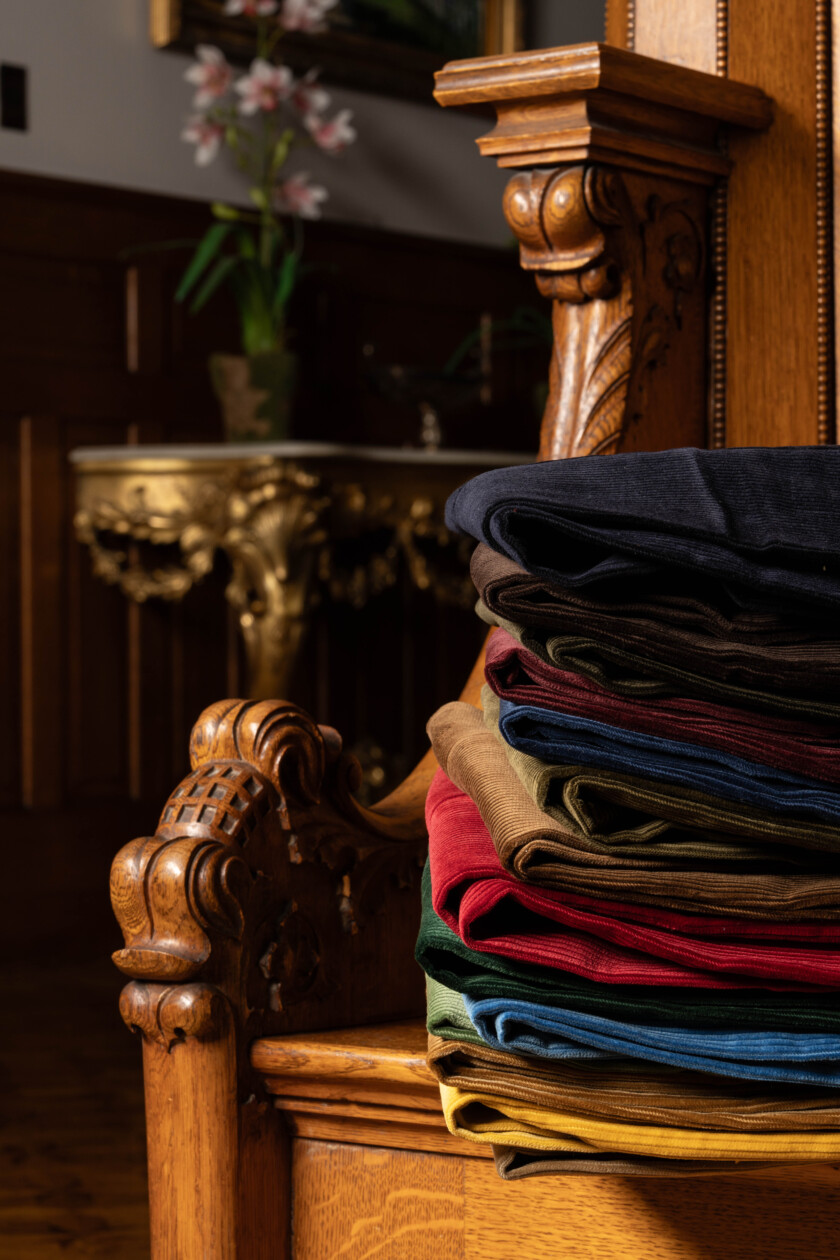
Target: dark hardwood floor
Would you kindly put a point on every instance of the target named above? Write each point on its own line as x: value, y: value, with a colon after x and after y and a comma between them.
x: 73, y: 1161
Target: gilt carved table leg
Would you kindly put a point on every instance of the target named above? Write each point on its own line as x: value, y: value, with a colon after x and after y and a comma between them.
x: 273, y: 545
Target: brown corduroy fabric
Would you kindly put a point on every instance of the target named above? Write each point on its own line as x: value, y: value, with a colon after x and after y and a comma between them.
x: 629, y: 673
x: 793, y: 654
x: 513, y: 1165
x: 540, y: 850
x: 628, y: 1089
x: 595, y: 797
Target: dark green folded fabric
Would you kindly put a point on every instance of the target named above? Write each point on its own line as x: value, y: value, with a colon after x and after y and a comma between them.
x: 630, y: 673
x: 444, y: 957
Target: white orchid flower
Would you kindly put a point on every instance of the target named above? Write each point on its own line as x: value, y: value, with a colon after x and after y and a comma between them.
x: 305, y: 15
x: 211, y: 74
x: 264, y: 87
x: 334, y: 135
x: 298, y: 196
x: 205, y: 135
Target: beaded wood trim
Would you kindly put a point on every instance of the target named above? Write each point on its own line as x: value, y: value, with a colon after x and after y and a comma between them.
x: 717, y: 329
x: 824, y: 226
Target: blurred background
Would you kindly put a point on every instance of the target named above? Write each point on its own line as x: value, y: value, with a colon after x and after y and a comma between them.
x: 411, y: 326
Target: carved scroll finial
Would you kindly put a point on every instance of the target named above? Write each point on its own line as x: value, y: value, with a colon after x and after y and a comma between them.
x: 569, y: 224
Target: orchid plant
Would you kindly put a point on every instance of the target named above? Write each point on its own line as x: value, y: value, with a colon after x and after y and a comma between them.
x: 261, y: 117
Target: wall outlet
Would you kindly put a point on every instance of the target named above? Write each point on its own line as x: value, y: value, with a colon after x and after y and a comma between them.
x: 13, y: 92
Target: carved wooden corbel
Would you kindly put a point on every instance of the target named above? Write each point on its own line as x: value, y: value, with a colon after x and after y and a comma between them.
x: 617, y: 153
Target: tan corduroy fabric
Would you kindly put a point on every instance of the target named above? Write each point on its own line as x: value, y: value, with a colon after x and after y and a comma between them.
x: 540, y: 850
x: 633, y: 1091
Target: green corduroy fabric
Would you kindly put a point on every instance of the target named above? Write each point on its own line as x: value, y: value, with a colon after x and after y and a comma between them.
x: 444, y: 957
x: 446, y: 1015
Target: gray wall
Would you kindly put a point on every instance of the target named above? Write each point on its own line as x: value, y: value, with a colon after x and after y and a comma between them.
x: 107, y: 108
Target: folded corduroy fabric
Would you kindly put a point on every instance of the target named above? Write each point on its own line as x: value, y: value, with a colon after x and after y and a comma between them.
x: 760, y: 518
x: 491, y: 910
x: 756, y: 650
x: 514, y: 1165
x: 537, y: 848
x: 629, y: 673
x: 521, y: 1027
x: 583, y: 794
x: 633, y: 1090
x: 445, y: 958
x: 446, y: 1017
x: 485, y: 1118
x: 807, y: 748
x: 569, y: 740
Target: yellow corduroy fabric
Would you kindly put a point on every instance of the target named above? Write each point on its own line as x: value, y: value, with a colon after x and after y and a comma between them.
x: 487, y: 1119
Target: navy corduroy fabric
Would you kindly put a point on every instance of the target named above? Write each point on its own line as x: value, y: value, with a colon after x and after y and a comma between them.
x: 759, y: 518
x: 565, y: 739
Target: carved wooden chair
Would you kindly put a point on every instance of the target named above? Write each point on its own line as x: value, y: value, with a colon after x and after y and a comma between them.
x: 269, y: 923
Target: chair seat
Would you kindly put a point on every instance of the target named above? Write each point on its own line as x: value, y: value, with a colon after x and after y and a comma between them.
x: 370, y: 1086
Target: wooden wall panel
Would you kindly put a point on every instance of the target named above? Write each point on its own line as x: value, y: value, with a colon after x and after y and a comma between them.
x: 97, y: 697
x: 772, y: 328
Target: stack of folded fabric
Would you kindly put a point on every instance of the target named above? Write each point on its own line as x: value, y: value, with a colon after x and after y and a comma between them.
x: 631, y: 918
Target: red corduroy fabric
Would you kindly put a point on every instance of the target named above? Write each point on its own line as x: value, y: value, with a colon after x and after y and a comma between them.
x: 807, y: 748
x: 472, y: 893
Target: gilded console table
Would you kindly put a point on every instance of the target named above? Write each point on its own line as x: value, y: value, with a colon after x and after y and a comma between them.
x: 279, y: 511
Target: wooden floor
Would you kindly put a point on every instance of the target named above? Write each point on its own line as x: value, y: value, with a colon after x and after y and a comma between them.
x: 72, y: 1167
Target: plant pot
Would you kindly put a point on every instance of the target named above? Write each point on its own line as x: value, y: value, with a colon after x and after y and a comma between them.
x: 256, y: 393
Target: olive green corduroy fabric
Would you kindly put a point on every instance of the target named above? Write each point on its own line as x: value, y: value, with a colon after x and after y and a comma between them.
x: 631, y: 674
x: 446, y: 1015
x: 445, y: 957
x: 538, y: 849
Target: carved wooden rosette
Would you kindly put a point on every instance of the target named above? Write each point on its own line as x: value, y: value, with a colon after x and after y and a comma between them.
x: 260, y: 892
x: 617, y: 154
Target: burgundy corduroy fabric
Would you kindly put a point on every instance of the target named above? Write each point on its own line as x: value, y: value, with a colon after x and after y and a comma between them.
x: 474, y: 895
x: 805, y: 748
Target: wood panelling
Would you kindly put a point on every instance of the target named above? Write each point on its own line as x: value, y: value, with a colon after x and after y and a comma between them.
x: 94, y: 351
x: 359, y: 1201
x: 772, y: 325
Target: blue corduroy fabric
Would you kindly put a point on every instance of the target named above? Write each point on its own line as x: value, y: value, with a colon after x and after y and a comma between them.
x: 566, y: 740
x: 530, y: 1028
x: 759, y: 518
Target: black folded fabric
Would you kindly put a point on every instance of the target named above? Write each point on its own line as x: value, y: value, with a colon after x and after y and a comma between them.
x: 760, y: 519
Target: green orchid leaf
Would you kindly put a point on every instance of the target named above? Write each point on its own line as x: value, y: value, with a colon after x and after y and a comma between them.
x: 281, y: 150
x: 221, y: 211
x: 222, y: 269
x: 285, y: 287
x: 258, y: 197
x: 208, y: 248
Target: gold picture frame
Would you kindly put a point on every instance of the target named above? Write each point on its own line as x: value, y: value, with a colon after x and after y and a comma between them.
x: 346, y: 58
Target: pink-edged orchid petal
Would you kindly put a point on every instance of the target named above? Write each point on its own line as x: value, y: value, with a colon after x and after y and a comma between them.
x: 335, y: 134
x: 250, y: 8
x: 308, y: 97
x: 305, y: 15
x: 264, y: 87
x: 205, y: 135
x: 296, y: 195
x: 211, y: 75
